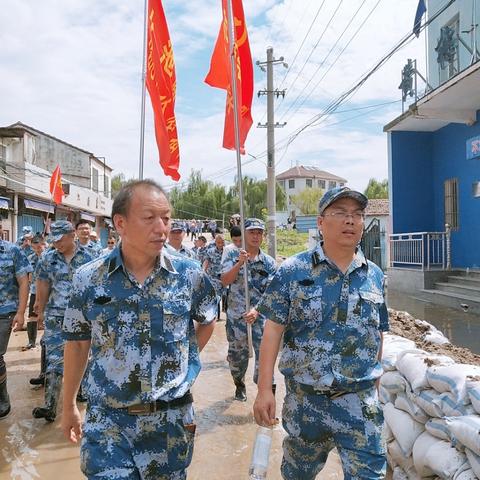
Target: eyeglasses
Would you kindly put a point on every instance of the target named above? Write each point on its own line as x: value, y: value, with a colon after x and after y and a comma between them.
x: 341, y: 216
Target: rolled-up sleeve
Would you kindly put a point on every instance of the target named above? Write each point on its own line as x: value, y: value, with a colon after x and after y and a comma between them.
x: 204, y: 298
x: 275, y: 302
x: 75, y: 324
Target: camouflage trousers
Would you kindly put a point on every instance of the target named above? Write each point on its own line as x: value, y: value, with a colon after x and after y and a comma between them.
x: 315, y: 424
x: 54, y: 343
x: 156, y: 446
x: 238, y: 345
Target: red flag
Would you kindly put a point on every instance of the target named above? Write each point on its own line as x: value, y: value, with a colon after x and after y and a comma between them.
x: 220, y: 74
x: 56, y: 188
x: 161, y: 85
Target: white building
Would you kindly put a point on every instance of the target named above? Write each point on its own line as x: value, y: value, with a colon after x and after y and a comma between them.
x: 27, y: 160
x: 298, y: 178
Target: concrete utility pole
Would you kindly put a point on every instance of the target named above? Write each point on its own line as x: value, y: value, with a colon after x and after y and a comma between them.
x: 270, y: 126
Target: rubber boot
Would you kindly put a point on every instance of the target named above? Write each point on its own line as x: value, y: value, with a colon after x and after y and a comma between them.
x: 240, y: 389
x: 53, y: 387
x: 32, y: 334
x: 40, y: 380
x: 4, y: 400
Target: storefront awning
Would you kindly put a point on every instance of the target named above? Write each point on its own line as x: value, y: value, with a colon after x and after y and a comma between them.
x: 37, y: 205
x: 4, y: 203
x: 87, y: 216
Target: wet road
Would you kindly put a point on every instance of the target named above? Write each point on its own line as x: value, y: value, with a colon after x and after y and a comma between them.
x: 32, y: 449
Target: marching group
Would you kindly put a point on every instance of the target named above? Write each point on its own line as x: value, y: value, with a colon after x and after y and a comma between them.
x: 124, y: 327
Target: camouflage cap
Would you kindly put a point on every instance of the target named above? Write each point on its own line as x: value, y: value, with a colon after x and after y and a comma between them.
x: 60, y: 228
x: 254, y: 224
x: 38, y: 238
x: 176, y: 226
x: 335, y: 194
x: 27, y: 231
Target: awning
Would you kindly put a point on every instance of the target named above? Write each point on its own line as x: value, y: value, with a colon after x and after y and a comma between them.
x: 37, y: 205
x: 4, y: 203
x: 87, y: 216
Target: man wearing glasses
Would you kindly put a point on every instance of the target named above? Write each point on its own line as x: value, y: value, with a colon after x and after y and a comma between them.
x: 329, y: 305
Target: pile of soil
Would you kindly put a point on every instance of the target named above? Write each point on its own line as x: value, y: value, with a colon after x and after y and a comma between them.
x: 404, y: 325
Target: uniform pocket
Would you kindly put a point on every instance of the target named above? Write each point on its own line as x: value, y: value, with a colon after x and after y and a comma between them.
x: 175, y: 321
x: 370, y: 306
x: 306, y: 306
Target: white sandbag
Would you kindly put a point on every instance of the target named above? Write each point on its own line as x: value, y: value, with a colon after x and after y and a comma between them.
x: 451, y: 408
x: 473, y: 391
x: 392, y: 346
x: 384, y: 396
x: 387, y: 433
x: 399, y: 474
x: 397, y: 458
x: 405, y: 429
x: 438, y: 428
x: 452, y: 378
x: 465, y: 475
x: 413, y: 365
x: 435, y: 336
x: 427, y: 401
x: 466, y: 430
x: 394, y: 382
x: 474, y: 461
x: 444, y: 460
x: 402, y: 402
x: 419, y: 453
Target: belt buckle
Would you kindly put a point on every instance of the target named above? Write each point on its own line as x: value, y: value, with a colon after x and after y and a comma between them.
x: 142, y: 408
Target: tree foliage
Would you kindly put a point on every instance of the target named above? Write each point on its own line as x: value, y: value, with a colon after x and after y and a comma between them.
x: 376, y: 189
x: 307, y: 200
x: 117, y: 182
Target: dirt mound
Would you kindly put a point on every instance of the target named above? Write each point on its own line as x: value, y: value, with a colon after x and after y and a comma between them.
x: 403, y: 324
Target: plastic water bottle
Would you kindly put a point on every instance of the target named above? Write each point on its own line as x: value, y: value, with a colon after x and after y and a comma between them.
x: 261, y: 452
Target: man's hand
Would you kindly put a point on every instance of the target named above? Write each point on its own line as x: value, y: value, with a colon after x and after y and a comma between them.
x: 264, y: 408
x: 72, y: 424
x: 40, y: 320
x: 243, y: 257
x: 18, y: 321
x: 251, y: 316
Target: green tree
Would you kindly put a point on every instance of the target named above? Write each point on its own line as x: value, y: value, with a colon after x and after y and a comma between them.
x: 307, y: 200
x: 117, y: 182
x: 376, y: 189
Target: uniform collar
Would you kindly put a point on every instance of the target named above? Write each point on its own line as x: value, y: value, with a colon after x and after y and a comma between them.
x: 318, y: 256
x: 115, y: 261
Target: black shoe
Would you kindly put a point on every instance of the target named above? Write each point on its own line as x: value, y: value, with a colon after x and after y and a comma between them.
x: 40, y: 380
x: 241, y: 393
x: 42, y: 412
x: 4, y: 400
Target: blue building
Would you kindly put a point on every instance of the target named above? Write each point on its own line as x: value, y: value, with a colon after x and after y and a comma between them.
x: 434, y: 166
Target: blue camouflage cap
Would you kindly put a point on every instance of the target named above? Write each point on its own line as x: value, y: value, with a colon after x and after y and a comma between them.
x: 335, y: 194
x: 177, y: 226
x: 27, y: 230
x: 254, y: 224
x: 60, y: 228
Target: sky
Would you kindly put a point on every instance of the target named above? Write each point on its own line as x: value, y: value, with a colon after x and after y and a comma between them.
x: 73, y: 69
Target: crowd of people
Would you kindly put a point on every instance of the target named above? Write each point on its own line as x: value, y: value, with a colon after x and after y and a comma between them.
x: 124, y: 327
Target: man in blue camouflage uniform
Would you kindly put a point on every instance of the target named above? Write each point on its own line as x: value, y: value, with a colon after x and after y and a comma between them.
x: 176, y: 237
x: 260, y: 268
x: 145, y: 315
x: 25, y: 241
x: 199, y: 248
x: 54, y: 272
x: 83, y: 231
x: 14, y: 270
x: 212, y: 264
x: 329, y: 305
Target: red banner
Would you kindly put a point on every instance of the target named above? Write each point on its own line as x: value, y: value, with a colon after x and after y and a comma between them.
x: 220, y: 74
x: 56, y: 188
x: 161, y: 85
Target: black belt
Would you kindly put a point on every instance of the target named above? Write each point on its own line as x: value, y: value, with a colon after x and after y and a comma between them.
x: 152, y: 407
x: 330, y: 393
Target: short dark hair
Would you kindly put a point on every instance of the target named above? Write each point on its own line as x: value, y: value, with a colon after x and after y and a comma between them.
x: 82, y: 222
x: 235, y: 231
x: 202, y: 238
x: 123, y: 199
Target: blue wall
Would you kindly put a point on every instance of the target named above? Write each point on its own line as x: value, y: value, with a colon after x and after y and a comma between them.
x: 420, y: 164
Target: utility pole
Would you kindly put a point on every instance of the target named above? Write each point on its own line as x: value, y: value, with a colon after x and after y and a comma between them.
x: 270, y: 126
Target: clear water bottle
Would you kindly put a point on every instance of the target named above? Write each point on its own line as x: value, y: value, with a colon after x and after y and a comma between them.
x: 261, y: 452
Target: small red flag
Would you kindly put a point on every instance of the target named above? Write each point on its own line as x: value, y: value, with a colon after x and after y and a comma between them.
x: 56, y: 188
x: 161, y: 85
x: 220, y: 74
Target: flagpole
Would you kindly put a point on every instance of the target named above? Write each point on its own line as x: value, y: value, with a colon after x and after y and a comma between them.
x: 231, y: 41
x: 144, y: 92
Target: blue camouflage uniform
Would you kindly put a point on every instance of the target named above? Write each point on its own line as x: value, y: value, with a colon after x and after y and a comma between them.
x: 53, y: 268
x: 214, y: 269
x: 13, y: 264
x: 333, y: 324
x: 143, y: 350
x: 185, y: 251
x: 33, y: 259
x: 95, y: 248
x: 260, y: 272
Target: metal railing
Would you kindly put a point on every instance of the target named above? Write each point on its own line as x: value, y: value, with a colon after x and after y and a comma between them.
x: 422, y: 250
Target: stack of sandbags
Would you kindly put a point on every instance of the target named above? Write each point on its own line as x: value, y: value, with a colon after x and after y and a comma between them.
x: 432, y: 413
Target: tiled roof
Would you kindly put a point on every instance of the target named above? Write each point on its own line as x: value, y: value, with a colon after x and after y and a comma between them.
x: 377, y: 206
x: 309, y: 172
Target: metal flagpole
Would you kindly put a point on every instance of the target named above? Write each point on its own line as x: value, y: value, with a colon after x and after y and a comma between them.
x: 144, y: 92
x: 231, y: 39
